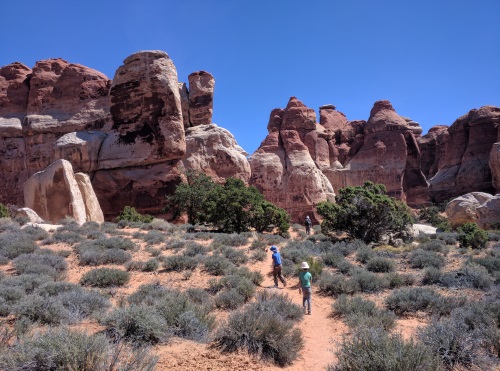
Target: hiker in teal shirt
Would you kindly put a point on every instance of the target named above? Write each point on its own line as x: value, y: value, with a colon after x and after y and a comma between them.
x: 305, y: 279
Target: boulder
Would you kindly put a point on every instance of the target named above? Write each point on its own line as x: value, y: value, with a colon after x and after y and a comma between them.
x: 201, y: 94
x: 31, y: 215
x: 54, y: 193
x: 488, y: 213
x: 92, y: 208
x: 213, y: 150
x: 463, y: 209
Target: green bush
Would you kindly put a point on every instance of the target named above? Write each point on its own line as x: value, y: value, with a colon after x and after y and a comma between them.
x: 364, y: 254
x: 368, y: 281
x: 217, y: 265
x: 229, y: 299
x: 63, y: 349
x: 99, y: 257
x: 105, y: 277
x: 470, y: 235
x: 4, y: 211
x: 374, y: 349
x: 435, y: 245
x: 337, y: 284
x: 130, y: 214
x: 413, y: 299
x: 364, y: 212
x: 469, y: 275
x: 13, y: 244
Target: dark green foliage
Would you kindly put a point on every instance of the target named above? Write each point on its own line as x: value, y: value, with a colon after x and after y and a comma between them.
x: 63, y: 349
x: 432, y: 215
x: 364, y: 212
x: 261, y: 331
x: 13, y: 244
x: 51, y: 265
x: 375, y: 349
x: 379, y: 264
x: 423, y: 259
x: 231, y: 208
x: 130, y: 214
x: 105, y: 277
x: 470, y: 235
x: 4, y: 211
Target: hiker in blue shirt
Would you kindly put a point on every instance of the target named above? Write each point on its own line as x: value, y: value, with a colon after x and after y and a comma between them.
x: 277, y: 268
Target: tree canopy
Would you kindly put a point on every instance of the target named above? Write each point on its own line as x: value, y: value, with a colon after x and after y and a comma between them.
x: 232, y: 207
x: 364, y: 212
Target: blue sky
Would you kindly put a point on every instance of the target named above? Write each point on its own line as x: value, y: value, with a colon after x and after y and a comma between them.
x: 433, y: 59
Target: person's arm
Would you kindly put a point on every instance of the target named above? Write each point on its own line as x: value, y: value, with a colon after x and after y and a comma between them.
x: 300, y: 286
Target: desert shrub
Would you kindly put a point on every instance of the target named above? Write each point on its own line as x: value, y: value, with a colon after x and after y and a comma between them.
x: 67, y: 236
x: 235, y: 256
x: 368, y: 281
x: 105, y: 277
x: 469, y: 275
x: 396, y: 280
x: 470, y: 235
x: 407, y: 300
x: 432, y: 276
x: 229, y: 299
x: 138, y: 324
x: 174, y: 244
x: 179, y: 263
x: 36, y: 233
x: 254, y: 276
x: 435, y: 245
x: 230, y: 239
x: 108, y: 227
x: 192, y: 249
x: 4, y: 260
x: 4, y: 211
x: 115, y: 243
x: 491, y: 263
x: 374, y: 349
x: 13, y: 244
x: 151, y: 265
x: 51, y: 265
x: 217, y: 265
x: 413, y: 299
x: 130, y: 214
x: 153, y: 237
x: 364, y: 254
x: 281, y: 305
x: 361, y: 312
x: 422, y: 259
x: 336, y: 284
x: 135, y: 265
x: 98, y: 257
x: 453, y: 343
x: 260, y: 332
x: 9, y: 225
x: 448, y: 238
x: 258, y: 255
x: 492, y: 236
x: 378, y: 264
x: 154, y: 252
x: 42, y: 309
x: 199, y: 296
x: 63, y: 349
x: 332, y: 259
x: 318, y: 237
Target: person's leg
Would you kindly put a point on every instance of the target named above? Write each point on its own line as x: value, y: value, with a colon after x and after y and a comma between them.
x: 280, y: 275
x: 275, y: 276
x: 308, y: 291
x: 304, y: 299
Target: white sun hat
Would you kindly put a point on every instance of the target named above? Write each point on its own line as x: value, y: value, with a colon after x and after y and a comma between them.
x: 304, y: 265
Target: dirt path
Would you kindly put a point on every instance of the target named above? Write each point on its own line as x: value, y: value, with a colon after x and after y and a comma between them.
x: 320, y: 332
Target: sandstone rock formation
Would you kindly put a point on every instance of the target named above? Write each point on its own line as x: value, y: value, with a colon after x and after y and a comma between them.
x: 488, y: 214
x: 213, y: 150
x: 432, y: 148
x: 463, y: 209
x: 494, y: 163
x: 283, y: 168
x: 93, y: 210
x: 54, y: 193
x: 201, y: 92
x: 386, y: 151
x: 465, y: 166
